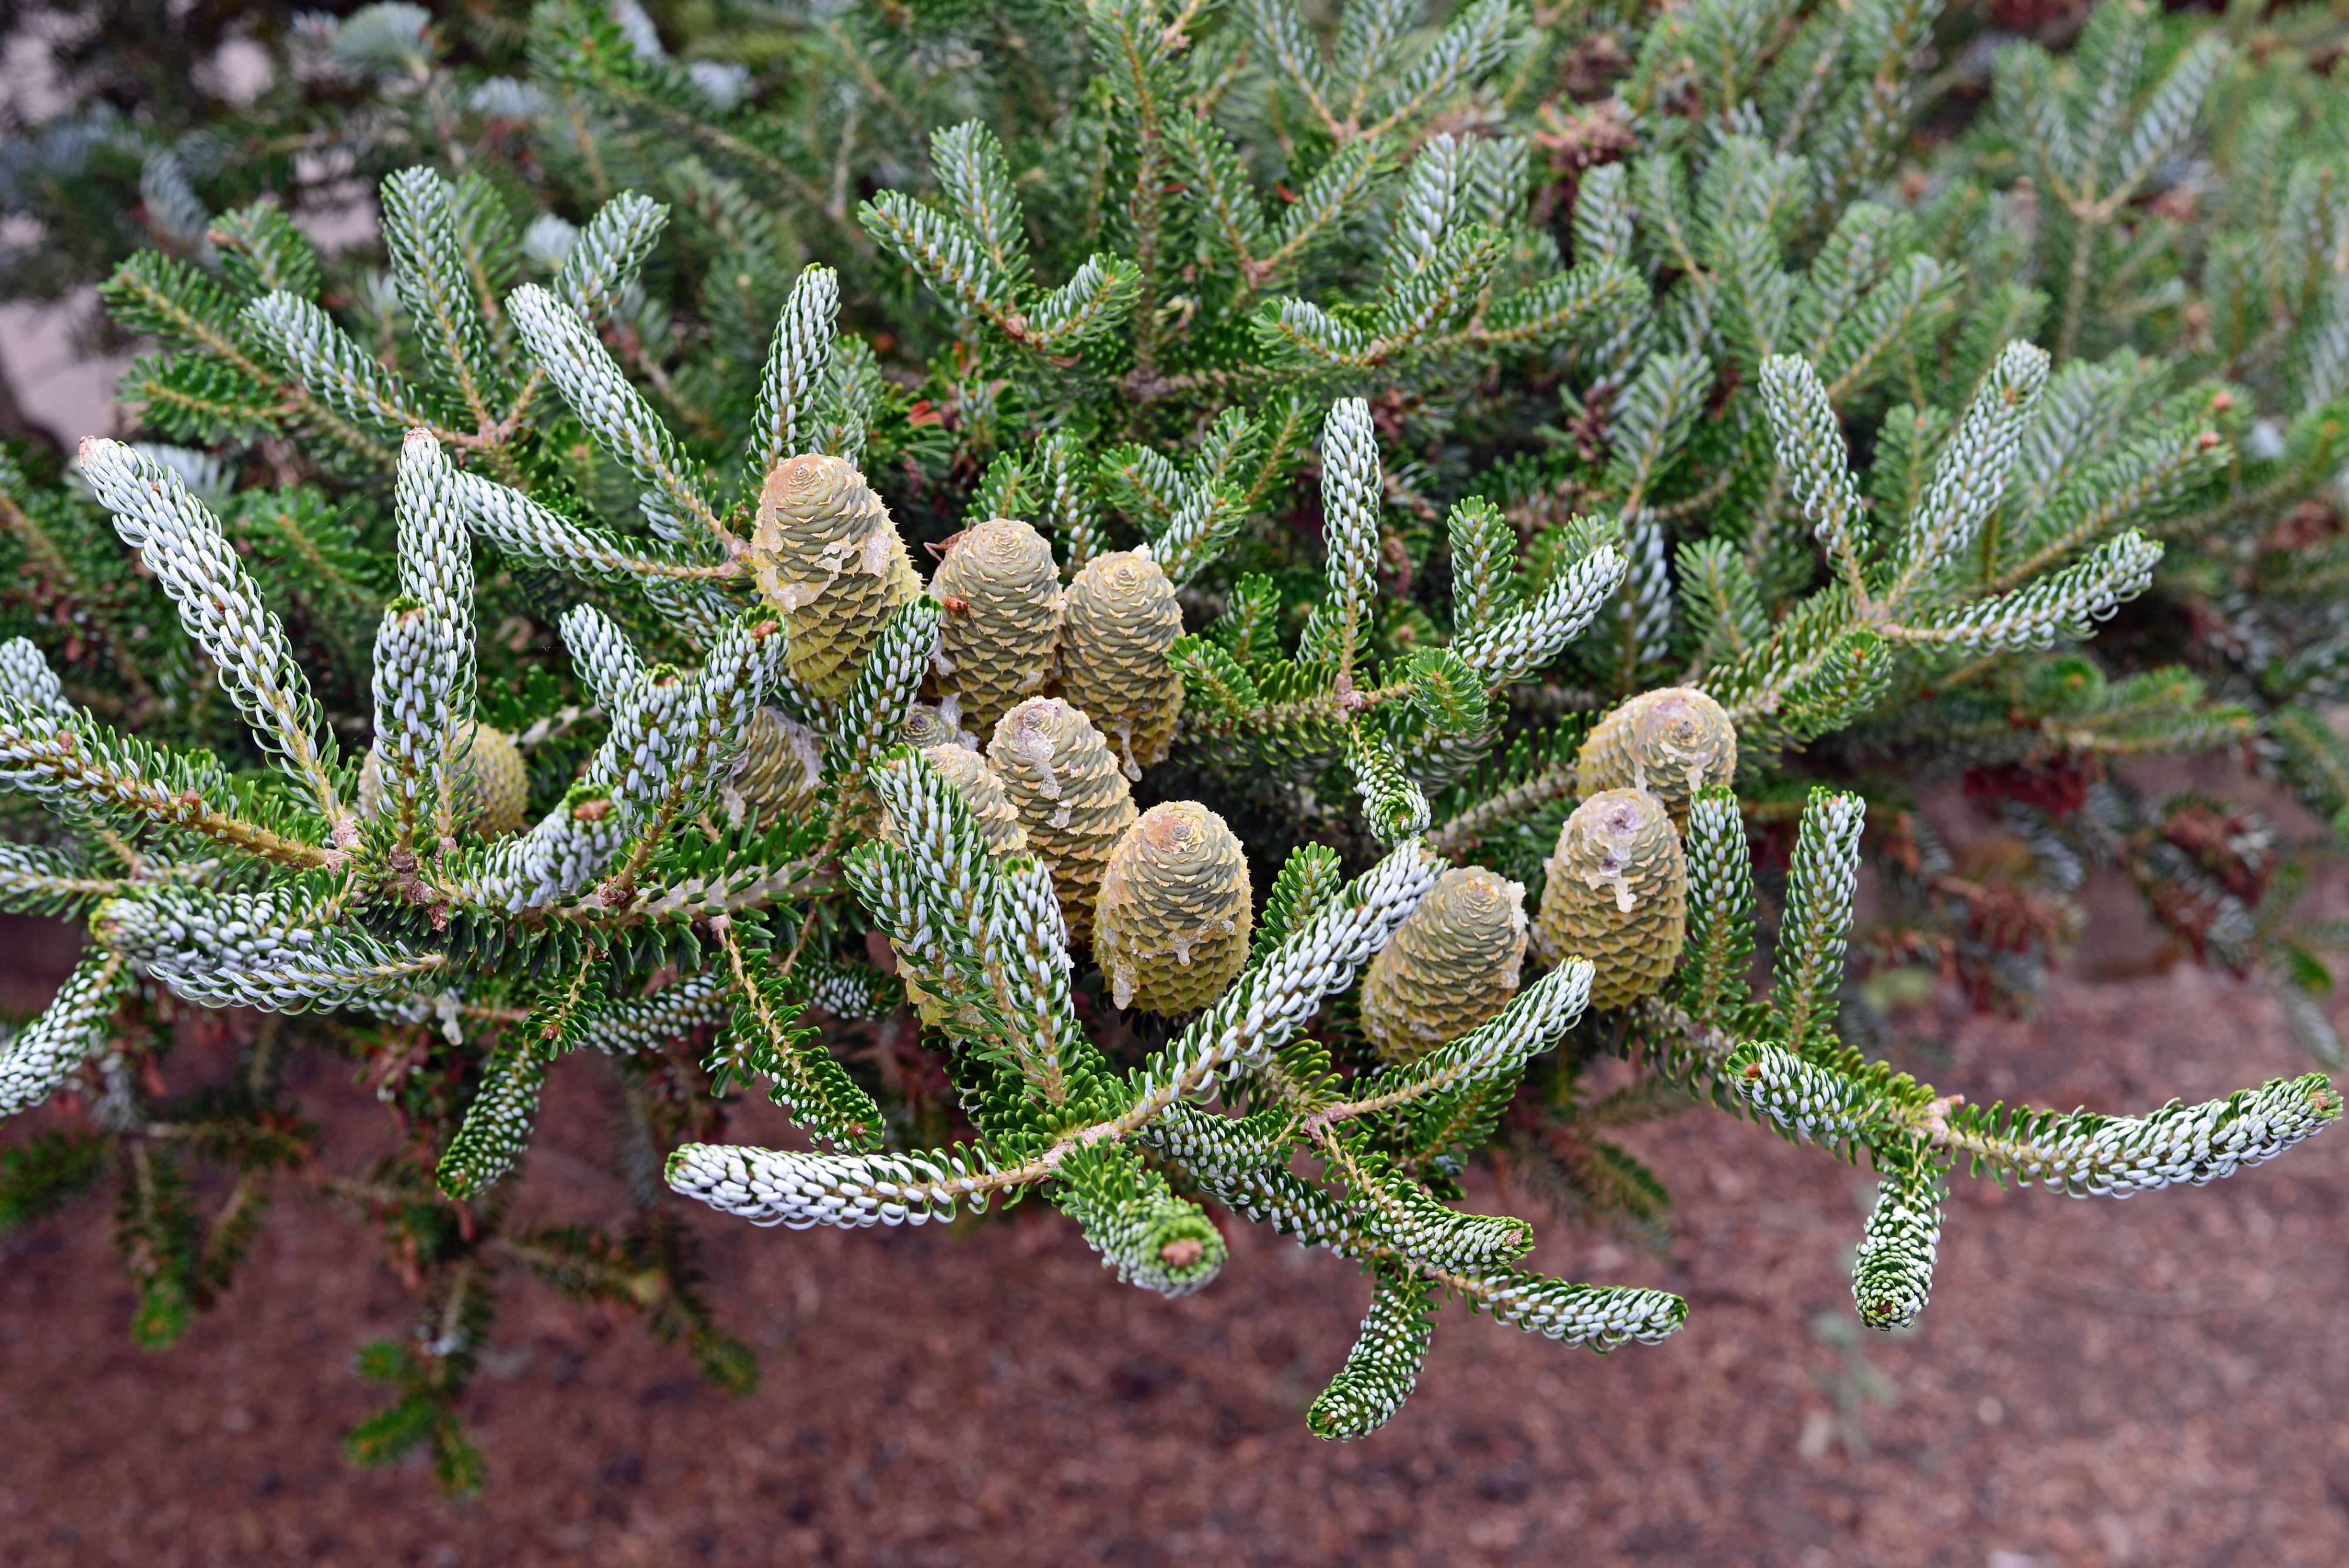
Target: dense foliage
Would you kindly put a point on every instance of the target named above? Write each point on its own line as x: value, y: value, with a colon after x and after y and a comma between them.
x: 1492, y: 483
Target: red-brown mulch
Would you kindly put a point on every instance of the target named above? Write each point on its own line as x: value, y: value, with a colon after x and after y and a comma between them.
x: 2154, y: 1382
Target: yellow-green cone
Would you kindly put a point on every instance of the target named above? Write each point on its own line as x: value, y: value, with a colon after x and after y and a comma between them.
x: 1617, y: 895
x: 926, y: 726
x: 829, y: 561
x: 781, y: 765
x: 1070, y: 795
x: 1118, y: 619
x: 983, y: 793
x: 1672, y: 742
x: 1450, y: 966
x: 492, y: 783
x: 1171, y: 931
x: 1001, y: 590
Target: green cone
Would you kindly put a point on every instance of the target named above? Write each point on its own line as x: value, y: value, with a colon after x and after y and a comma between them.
x: 1617, y: 895
x: 1001, y: 590
x: 1070, y: 795
x: 1449, y: 967
x: 1119, y: 620
x: 1672, y: 742
x: 829, y: 560
x: 1171, y: 931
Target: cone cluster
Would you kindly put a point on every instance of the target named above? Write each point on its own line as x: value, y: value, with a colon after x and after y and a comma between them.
x: 1670, y: 743
x: 829, y: 560
x: 1172, y: 931
x: 1119, y: 618
x: 493, y: 784
x: 1001, y: 590
x: 1450, y: 966
x: 1070, y: 796
x: 1617, y: 894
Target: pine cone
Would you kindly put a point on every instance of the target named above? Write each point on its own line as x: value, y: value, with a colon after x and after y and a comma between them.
x: 1002, y: 593
x: 1119, y: 620
x: 1450, y: 966
x: 1069, y: 793
x: 492, y: 783
x: 781, y: 765
x: 926, y: 726
x: 983, y: 792
x: 829, y: 559
x: 1617, y: 895
x: 1670, y: 743
x: 1173, y: 930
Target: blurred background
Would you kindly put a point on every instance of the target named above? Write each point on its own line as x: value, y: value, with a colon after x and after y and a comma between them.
x: 2153, y: 1382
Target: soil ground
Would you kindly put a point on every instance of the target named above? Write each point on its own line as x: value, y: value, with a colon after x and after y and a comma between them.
x: 2154, y: 1382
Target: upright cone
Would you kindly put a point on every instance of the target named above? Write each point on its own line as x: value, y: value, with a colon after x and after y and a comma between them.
x: 780, y: 767
x: 829, y: 561
x: 1070, y: 795
x: 1001, y: 590
x: 1450, y: 966
x: 1173, y: 928
x: 926, y: 726
x: 1119, y: 618
x: 1672, y: 742
x: 492, y: 783
x: 1617, y: 895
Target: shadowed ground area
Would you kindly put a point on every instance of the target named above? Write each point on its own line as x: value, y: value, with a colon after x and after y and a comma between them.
x: 2148, y: 1382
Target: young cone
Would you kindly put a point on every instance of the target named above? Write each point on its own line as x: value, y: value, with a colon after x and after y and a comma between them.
x: 1670, y: 743
x: 829, y: 559
x: 1617, y: 895
x: 1070, y: 795
x: 493, y: 784
x: 1001, y: 589
x: 926, y: 726
x: 1119, y: 620
x: 1174, y: 924
x: 781, y: 764
x: 1449, y: 967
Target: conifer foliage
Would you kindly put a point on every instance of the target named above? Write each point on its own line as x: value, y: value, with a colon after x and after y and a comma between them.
x: 982, y: 602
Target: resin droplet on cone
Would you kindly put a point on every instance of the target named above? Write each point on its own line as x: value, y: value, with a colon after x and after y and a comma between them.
x: 1069, y: 795
x: 829, y: 560
x: 1119, y: 618
x: 492, y: 783
x: 781, y: 765
x: 1171, y: 931
x: 1450, y: 966
x: 1617, y: 895
x: 1670, y: 743
x: 1001, y: 590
